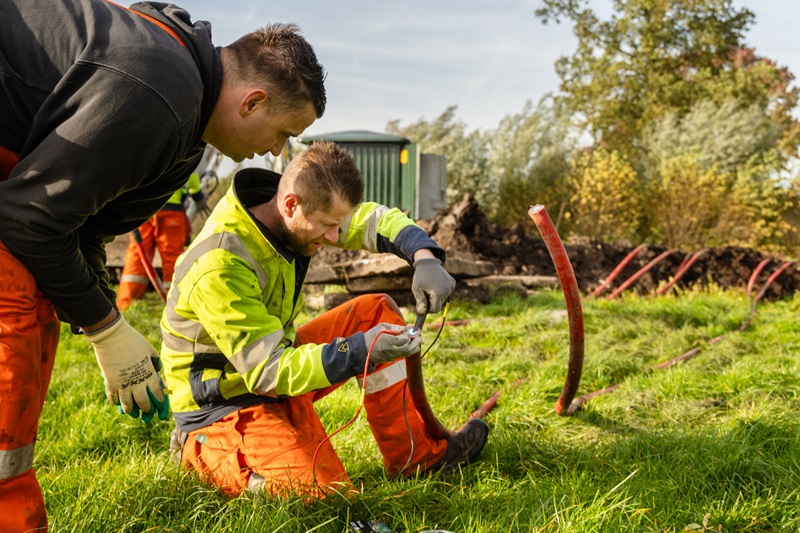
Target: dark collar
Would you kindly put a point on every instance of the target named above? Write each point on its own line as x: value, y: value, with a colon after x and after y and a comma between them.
x: 255, y: 186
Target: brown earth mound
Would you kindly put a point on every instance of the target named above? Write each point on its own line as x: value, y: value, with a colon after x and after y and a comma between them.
x: 464, y: 231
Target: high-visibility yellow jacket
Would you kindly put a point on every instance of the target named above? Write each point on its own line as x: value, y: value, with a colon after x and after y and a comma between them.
x: 192, y: 188
x: 228, y: 325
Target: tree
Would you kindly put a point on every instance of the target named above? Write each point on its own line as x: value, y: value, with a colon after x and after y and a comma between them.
x: 466, y: 152
x: 694, y: 206
x: 697, y: 206
x: 605, y: 202
x: 714, y: 179
x: 726, y: 136
x: 656, y: 57
x: 530, y: 154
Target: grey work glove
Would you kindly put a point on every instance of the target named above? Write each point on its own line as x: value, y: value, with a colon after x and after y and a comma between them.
x: 391, y: 345
x: 431, y: 285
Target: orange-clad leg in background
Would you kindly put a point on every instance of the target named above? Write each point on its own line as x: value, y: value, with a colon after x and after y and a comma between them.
x: 170, y: 240
x: 133, y: 281
x: 165, y: 231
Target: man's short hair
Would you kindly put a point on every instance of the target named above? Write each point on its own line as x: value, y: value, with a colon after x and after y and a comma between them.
x: 278, y: 58
x: 321, y: 173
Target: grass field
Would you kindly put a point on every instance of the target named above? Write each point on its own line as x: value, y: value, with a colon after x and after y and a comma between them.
x: 711, y: 444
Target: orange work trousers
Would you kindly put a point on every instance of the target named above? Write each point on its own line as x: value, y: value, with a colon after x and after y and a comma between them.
x: 166, y: 231
x: 29, y: 332
x: 277, y: 441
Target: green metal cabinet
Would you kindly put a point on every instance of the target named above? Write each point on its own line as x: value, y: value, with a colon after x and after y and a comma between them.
x: 388, y: 163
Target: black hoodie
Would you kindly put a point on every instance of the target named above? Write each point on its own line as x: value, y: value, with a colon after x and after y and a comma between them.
x: 106, y: 109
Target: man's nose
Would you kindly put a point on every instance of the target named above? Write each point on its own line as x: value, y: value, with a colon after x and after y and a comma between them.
x: 278, y: 148
x: 332, y: 235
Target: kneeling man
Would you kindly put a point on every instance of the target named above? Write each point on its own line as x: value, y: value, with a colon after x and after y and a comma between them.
x: 244, y: 380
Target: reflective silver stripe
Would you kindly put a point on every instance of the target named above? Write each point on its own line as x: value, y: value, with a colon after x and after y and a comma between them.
x: 178, y: 344
x: 258, y: 352
x: 15, y: 462
x: 166, y: 284
x: 267, y: 348
x: 268, y: 379
x: 224, y: 240
x: 227, y: 241
x: 371, y: 229
x: 133, y: 278
x: 186, y: 328
x: 190, y: 329
x: 385, y: 377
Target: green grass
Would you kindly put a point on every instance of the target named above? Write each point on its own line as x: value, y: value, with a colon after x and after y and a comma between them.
x: 710, y: 444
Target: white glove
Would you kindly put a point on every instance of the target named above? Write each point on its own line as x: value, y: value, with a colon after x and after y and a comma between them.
x: 394, y: 344
x: 132, y: 382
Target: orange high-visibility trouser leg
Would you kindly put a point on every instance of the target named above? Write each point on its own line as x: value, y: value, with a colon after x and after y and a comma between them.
x: 170, y: 236
x: 399, y: 430
x: 278, y: 440
x: 29, y: 332
x: 133, y: 281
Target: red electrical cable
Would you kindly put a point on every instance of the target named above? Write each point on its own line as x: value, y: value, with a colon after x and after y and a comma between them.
x: 580, y: 402
x: 572, y: 298
x: 491, y: 402
x: 685, y: 265
x: 358, y: 411
x: 752, y: 281
x: 640, y: 272
x: 763, y: 291
x: 147, y: 263
x: 616, y: 271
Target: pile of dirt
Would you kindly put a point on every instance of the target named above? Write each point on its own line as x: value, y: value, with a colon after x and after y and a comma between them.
x: 464, y: 231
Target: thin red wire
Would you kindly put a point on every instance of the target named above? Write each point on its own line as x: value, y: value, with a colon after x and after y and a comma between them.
x: 358, y: 411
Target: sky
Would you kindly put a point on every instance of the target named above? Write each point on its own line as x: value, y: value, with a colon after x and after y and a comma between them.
x: 411, y: 60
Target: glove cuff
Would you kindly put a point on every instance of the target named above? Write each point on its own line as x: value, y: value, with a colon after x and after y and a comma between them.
x: 344, y: 358
x: 106, y: 331
x: 425, y: 260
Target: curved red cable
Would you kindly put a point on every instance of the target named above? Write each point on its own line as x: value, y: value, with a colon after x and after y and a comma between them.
x: 638, y: 274
x: 622, y: 264
x: 572, y: 297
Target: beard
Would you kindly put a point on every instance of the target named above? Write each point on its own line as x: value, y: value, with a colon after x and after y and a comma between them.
x: 296, y: 243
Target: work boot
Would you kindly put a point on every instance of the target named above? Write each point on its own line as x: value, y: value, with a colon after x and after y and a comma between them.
x: 464, y: 446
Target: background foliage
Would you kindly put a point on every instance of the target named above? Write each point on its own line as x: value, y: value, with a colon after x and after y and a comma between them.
x: 667, y: 128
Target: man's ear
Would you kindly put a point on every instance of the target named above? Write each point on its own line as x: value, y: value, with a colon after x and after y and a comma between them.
x: 252, y: 100
x: 290, y: 204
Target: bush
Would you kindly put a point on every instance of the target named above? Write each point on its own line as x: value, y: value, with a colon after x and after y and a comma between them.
x: 605, y: 202
x: 692, y: 206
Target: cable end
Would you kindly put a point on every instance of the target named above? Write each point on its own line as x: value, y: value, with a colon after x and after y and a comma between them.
x: 416, y: 329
